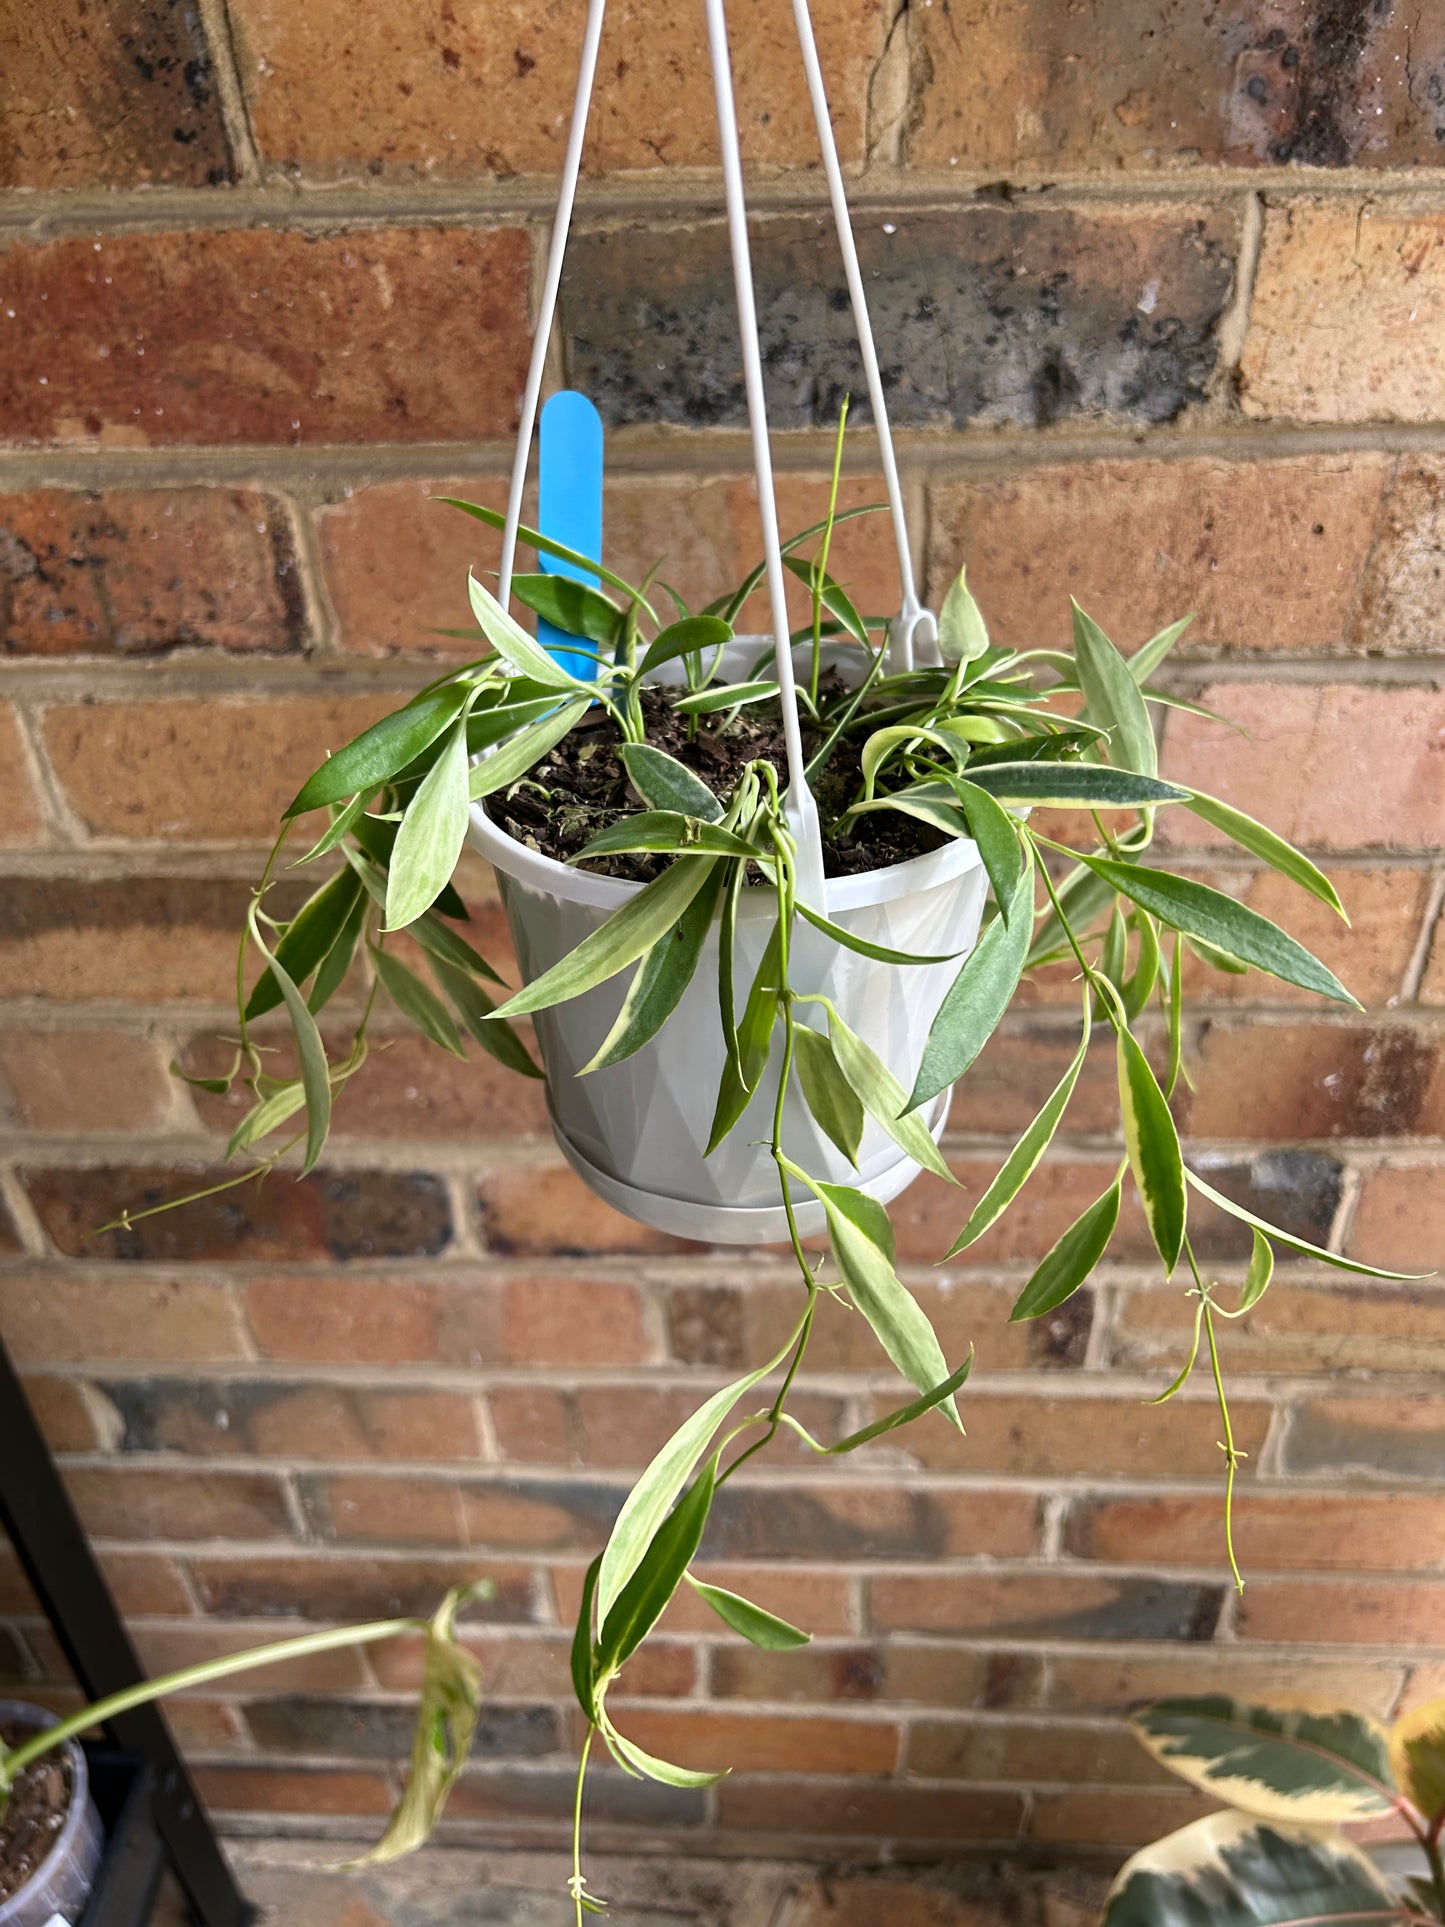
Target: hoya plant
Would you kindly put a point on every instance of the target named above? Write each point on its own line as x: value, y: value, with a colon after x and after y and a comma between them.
x: 1293, y: 1781
x: 654, y: 789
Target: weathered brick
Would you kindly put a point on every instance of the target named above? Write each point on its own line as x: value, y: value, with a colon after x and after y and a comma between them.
x: 144, y: 939
x: 273, y: 1419
x: 142, y: 1583
x: 157, y: 770
x: 1026, y: 1607
x: 396, y: 560
x: 264, y: 335
x: 61, y: 1318
x: 1268, y: 553
x: 349, y: 1321
x: 85, y: 1080
x: 993, y: 1750
x: 573, y: 1321
x: 556, y: 1514
x: 140, y: 102
x: 1112, y: 1682
x: 1317, y: 1081
x: 1339, y: 326
x: 1157, y: 83
x: 1384, y: 749
x: 537, y: 1668
x: 1307, y: 1531
x: 867, y: 1521
x: 1124, y: 1817
x: 996, y: 314
x: 336, y: 1587
x: 431, y: 94
x: 128, y: 1502
x: 271, y: 1789
x: 933, y: 1674
x: 62, y: 1413
x: 501, y: 1796
x: 619, y: 1426
x: 1400, y: 1615
x: 1401, y: 1439
x: 331, y: 1214
x: 1007, y: 1085
x: 167, y: 1648
x: 140, y: 572
x: 9, y: 1234
x: 773, y: 1742
x: 818, y: 1806
x: 19, y: 805
x: 1348, y: 1325
x: 545, y: 1210
x: 371, y: 1730
x: 1399, y: 1221
x: 1399, y: 592
x: 360, y: 1508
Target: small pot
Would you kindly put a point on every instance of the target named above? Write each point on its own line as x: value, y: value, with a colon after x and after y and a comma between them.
x: 636, y: 1131
x: 60, y: 1886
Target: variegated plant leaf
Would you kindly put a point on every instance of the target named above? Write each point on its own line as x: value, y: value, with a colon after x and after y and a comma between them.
x: 1417, y: 1754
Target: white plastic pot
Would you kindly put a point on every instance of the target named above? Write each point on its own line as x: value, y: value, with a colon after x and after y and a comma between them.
x: 636, y: 1131
x: 61, y: 1884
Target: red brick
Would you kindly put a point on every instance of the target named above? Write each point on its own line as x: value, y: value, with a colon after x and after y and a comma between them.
x: 1030, y: 1606
x: 1351, y: 1325
x: 1284, y: 1081
x: 125, y: 1502
x: 573, y: 1321
x: 138, y: 572
x: 1336, y: 321
x: 268, y: 1419
x: 1090, y: 1682
x: 1098, y: 1816
x: 86, y: 1080
x: 1153, y: 84
x: 265, y: 335
x: 1397, y: 1615
x: 816, y: 1806
x: 142, y: 1583
x: 361, y: 1508
x: 169, y: 1648
x: 361, y: 1321
x: 426, y: 93
x: 1267, y: 553
x: 293, y: 1790
x: 1301, y: 1531
x: 1383, y: 749
x: 62, y: 1414
x: 19, y: 806
x: 350, y: 1589
x: 157, y: 770
x: 1009, y: 1083
x: 930, y: 1214
x: 994, y: 1750
x: 545, y: 1210
x: 140, y: 102
x: 774, y: 1742
x: 1397, y: 1439
x: 1399, y: 1221
x: 60, y: 1318
x: 620, y: 1425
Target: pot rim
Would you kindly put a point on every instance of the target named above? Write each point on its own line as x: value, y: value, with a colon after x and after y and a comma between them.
x: 531, y: 868
x: 63, y: 1846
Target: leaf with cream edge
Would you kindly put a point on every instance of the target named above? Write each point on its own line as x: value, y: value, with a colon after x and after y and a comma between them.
x: 1312, y: 1768
x: 834, y: 1104
x: 755, y: 1624
x: 512, y: 643
x: 979, y: 996
x: 660, y: 979
x: 1112, y: 698
x: 1152, y: 1141
x: 430, y: 838
x: 1287, y: 1238
x: 883, y: 1097
x: 521, y: 752
x: 962, y: 632
x: 1417, y: 1757
x: 1065, y: 1268
x: 665, y: 784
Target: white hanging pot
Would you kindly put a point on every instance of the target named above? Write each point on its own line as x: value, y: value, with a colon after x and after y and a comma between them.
x: 60, y: 1886
x: 636, y: 1132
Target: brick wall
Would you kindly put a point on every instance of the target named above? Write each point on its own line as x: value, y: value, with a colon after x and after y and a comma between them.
x: 1162, y: 293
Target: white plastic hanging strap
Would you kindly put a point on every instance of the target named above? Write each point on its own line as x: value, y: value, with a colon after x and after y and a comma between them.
x: 547, y: 309
x: 800, y: 808
x: 913, y: 623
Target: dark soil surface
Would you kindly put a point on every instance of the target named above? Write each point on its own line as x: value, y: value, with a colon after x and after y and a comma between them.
x: 38, y: 1804
x: 587, y: 789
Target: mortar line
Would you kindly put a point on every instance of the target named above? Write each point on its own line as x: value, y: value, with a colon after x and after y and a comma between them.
x: 1233, y: 326
x: 218, y: 28
x: 1425, y: 940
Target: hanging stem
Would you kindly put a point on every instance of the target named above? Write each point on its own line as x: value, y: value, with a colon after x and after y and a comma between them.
x: 576, y: 1885
x: 820, y: 565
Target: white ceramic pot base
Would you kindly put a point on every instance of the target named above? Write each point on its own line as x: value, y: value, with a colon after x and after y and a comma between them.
x: 725, y: 1224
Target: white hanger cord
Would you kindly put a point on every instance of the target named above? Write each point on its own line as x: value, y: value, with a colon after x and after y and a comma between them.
x: 547, y: 308
x: 837, y: 193
x: 802, y: 811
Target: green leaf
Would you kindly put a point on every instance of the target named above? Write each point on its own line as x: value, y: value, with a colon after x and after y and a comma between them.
x: 930, y: 803
x: 1231, y: 1871
x: 884, y: 1098
x: 1301, y: 1245
x: 661, y: 978
x: 430, y: 837
x: 310, y: 1051
x: 512, y: 643
x: 306, y: 940
x: 834, y: 599
x: 1072, y: 786
x: 626, y: 935
x: 760, y: 1627
x: 516, y: 756
x: 584, y: 1673
x: 1139, y: 987
x: 880, y: 953
x: 962, y: 632
x: 379, y: 752
x: 377, y: 837
x: 267, y: 1116
x: 666, y: 831
x: 651, y: 1499
x: 665, y: 784
x: 659, y: 1573
x: 1072, y: 1258
x: 1112, y: 698
x: 655, y: 1769
x: 475, y: 1008
x: 862, y: 1241
x: 693, y: 635
x: 1147, y: 658
x: 1263, y: 843
x: 1153, y: 1145
x: 979, y: 996
x: 1261, y: 1271
x: 906, y: 1414
x: 992, y: 829
x: 416, y: 1002
x: 1209, y: 915
x: 743, y: 1070
x: 1315, y: 1768
x: 491, y: 725
x: 544, y: 545
x: 338, y: 959
x: 884, y: 743
x: 446, y: 1721
x: 576, y: 608
x: 1023, y: 1159
x: 827, y: 1092
x: 1417, y: 1757
x: 731, y: 695
x: 447, y: 947
x: 340, y: 827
